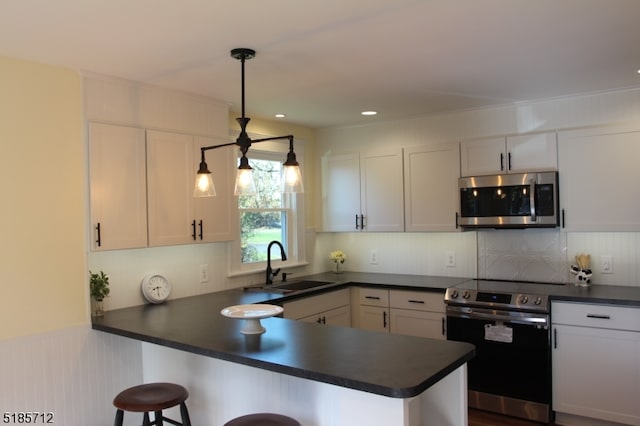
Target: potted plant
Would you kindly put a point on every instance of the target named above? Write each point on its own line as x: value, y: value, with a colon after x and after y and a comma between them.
x: 98, y: 289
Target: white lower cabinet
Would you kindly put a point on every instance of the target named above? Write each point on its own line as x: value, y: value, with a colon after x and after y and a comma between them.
x: 413, y: 313
x: 596, y: 362
x: 370, y: 308
x: 331, y: 308
x: 418, y: 313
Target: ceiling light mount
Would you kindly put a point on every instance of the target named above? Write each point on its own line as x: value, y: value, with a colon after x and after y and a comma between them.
x: 291, y: 176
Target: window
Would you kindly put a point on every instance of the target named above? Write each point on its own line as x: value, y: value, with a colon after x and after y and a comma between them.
x: 268, y: 215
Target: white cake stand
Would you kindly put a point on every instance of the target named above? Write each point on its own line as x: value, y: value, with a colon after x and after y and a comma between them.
x: 252, y: 314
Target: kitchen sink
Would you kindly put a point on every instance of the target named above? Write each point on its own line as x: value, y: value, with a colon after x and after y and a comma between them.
x: 297, y: 285
x: 289, y: 287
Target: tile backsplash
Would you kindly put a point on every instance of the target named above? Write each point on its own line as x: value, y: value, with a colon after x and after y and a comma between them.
x: 523, y: 255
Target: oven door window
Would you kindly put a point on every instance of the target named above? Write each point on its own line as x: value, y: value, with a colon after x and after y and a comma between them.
x: 520, y: 369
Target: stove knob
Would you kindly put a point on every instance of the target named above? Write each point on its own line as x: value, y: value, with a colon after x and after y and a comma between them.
x: 523, y: 299
x: 466, y: 294
x: 454, y: 294
x: 537, y: 300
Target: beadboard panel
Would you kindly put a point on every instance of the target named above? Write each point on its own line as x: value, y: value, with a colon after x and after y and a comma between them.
x: 407, y: 253
x: 221, y: 390
x: 121, y: 101
x: 73, y: 372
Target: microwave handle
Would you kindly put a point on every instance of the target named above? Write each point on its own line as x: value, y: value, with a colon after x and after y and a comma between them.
x: 532, y: 199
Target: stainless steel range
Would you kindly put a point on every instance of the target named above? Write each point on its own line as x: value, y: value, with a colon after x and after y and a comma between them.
x: 508, y: 322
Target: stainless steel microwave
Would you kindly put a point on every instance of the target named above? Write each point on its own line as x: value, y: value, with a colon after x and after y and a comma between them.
x: 510, y: 201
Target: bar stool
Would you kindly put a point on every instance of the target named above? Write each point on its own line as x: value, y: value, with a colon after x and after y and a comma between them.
x: 263, y: 419
x: 152, y: 397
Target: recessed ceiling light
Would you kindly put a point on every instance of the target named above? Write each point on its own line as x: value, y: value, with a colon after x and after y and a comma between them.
x: 369, y: 112
x: 280, y: 115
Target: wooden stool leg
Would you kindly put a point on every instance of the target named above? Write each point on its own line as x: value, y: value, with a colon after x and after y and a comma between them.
x: 145, y: 420
x: 119, y: 418
x: 185, y: 415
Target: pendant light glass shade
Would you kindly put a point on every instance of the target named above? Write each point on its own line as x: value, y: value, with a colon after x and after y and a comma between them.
x: 204, y: 182
x: 292, y: 180
x: 244, y: 178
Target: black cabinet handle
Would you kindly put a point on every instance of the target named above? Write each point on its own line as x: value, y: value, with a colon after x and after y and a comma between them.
x: 501, y: 161
x: 555, y: 338
x: 193, y: 227
x: 361, y: 221
x: 384, y: 319
x: 98, y: 237
x: 416, y: 301
x: 457, y: 220
x: 200, y: 234
x: 598, y: 316
x: 356, y: 221
x: 509, y: 162
x: 444, y: 327
x: 562, y: 218
x: 372, y: 297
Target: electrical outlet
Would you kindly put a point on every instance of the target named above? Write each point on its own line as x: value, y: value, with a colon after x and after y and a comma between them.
x: 204, y: 273
x: 451, y: 259
x: 606, y: 265
x: 373, y: 257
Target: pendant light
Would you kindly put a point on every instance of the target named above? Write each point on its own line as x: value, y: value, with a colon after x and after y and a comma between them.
x: 244, y: 185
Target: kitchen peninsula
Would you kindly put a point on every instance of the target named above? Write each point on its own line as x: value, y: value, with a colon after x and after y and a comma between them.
x: 320, y: 375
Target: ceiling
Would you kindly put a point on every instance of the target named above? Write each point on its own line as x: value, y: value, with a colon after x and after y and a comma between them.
x: 323, y: 62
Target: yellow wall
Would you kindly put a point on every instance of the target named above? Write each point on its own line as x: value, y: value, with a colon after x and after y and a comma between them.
x: 42, y: 249
x: 311, y: 173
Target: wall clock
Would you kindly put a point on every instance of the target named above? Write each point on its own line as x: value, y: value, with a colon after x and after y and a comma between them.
x: 155, y: 288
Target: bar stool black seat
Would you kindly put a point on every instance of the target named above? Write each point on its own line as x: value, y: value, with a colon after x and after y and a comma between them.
x: 152, y: 397
x: 263, y: 419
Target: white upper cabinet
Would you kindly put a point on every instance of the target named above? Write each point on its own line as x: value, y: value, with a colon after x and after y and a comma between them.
x: 599, y: 177
x: 514, y: 154
x: 431, y: 199
x: 175, y: 216
x: 117, y: 176
x: 363, y: 192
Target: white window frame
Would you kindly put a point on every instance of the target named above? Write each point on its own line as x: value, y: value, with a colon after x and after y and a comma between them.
x: 296, y: 256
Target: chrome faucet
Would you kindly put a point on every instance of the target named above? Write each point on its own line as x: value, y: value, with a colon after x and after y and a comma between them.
x: 270, y: 273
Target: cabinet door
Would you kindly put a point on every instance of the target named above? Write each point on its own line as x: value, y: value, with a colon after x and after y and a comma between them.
x: 532, y: 153
x: 599, y: 177
x: 418, y: 323
x: 213, y: 214
x: 596, y: 373
x: 373, y: 318
x: 431, y: 199
x: 118, y: 187
x: 382, y: 194
x: 340, y: 192
x: 171, y: 177
x: 339, y: 316
x: 483, y: 157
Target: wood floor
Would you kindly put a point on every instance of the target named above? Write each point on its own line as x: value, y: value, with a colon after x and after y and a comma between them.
x: 483, y: 418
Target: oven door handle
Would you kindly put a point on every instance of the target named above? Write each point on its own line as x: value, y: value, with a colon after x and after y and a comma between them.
x: 532, y: 199
x: 516, y: 317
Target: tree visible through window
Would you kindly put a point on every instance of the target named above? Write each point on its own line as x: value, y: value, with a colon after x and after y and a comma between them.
x: 263, y: 216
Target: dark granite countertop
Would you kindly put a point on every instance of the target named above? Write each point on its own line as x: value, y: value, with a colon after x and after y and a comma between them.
x: 396, y: 366
x: 385, y: 364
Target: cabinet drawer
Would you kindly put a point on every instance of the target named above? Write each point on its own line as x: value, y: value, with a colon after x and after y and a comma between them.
x: 597, y: 316
x: 372, y: 296
x: 315, y: 304
x: 417, y: 300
